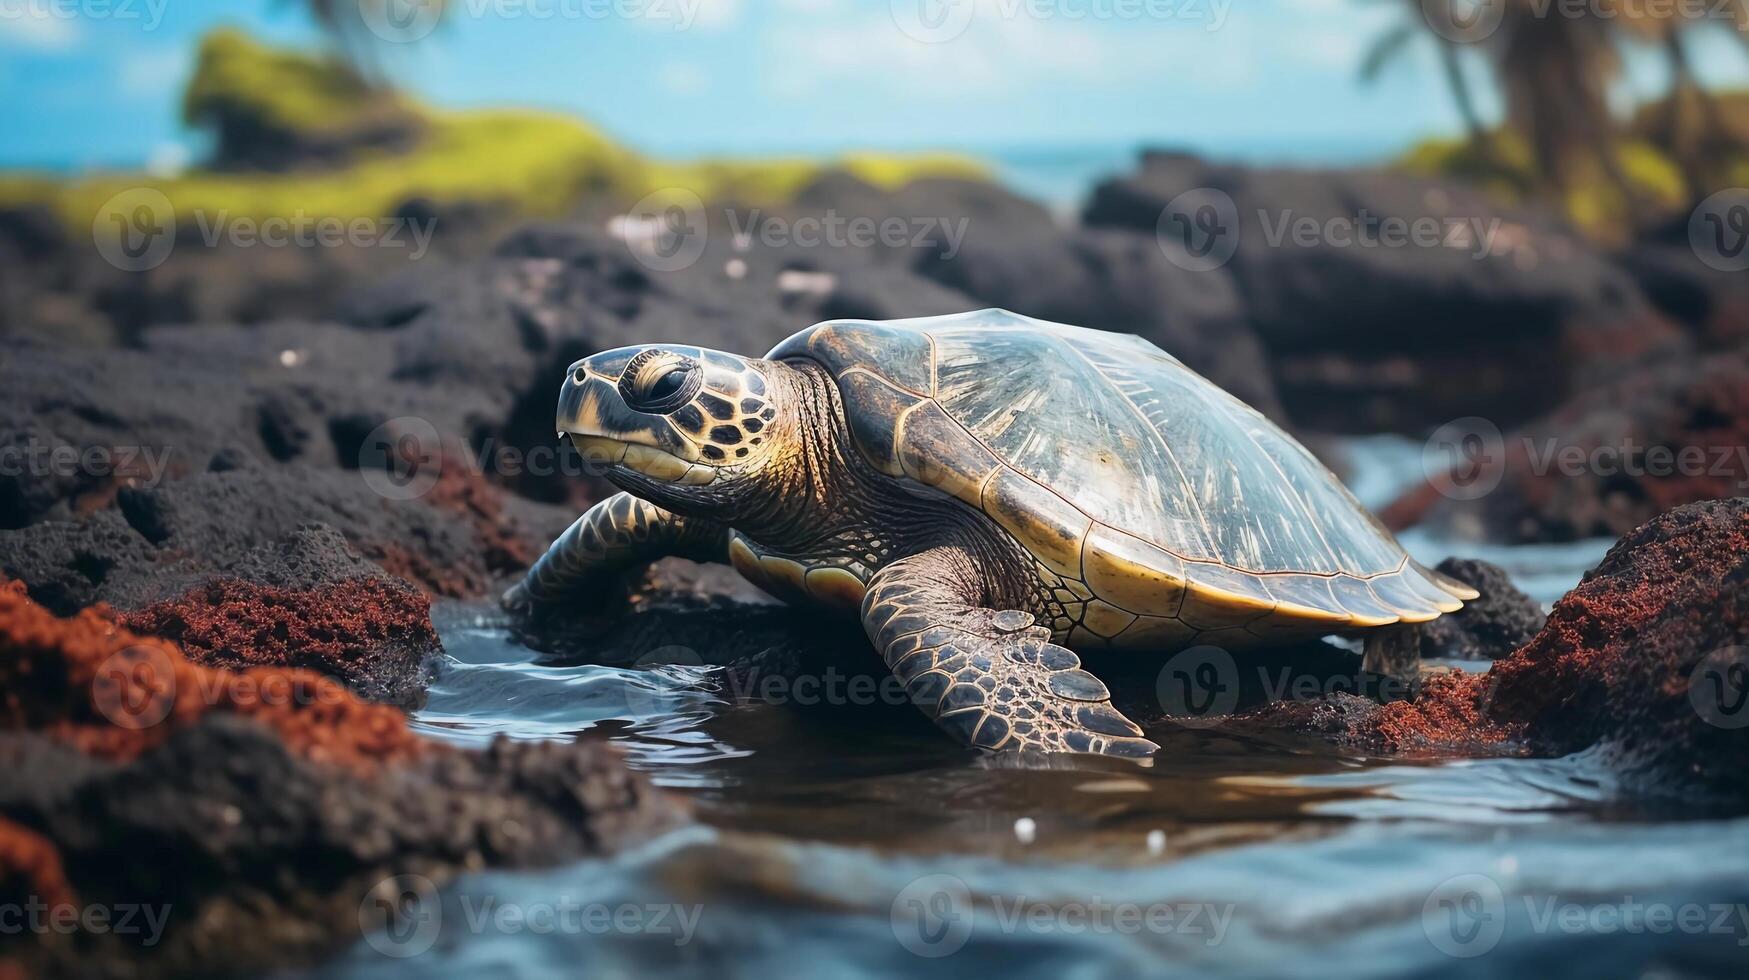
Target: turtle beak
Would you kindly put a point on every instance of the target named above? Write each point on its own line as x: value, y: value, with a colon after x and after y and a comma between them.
x: 608, y: 433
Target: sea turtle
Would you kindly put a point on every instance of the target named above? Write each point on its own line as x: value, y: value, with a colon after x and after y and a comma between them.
x: 987, y: 490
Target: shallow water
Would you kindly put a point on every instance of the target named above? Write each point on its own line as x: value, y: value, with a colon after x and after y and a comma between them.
x: 852, y: 841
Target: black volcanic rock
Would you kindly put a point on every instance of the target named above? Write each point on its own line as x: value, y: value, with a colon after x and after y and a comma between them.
x: 1488, y: 628
x: 1367, y: 333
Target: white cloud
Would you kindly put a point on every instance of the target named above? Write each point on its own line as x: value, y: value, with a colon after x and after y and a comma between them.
x: 146, y: 75
x: 1003, y: 49
x: 37, y: 26
x: 682, y: 78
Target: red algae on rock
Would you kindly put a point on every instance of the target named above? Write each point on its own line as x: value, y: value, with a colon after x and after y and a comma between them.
x: 355, y: 630
x: 114, y: 694
x: 1626, y: 661
x: 462, y: 489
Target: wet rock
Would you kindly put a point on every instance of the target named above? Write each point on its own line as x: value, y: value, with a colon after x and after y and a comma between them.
x: 1649, y: 655
x: 142, y: 784
x: 1120, y: 281
x: 1488, y: 628
x: 1370, y: 336
x: 1612, y: 458
x: 1646, y: 660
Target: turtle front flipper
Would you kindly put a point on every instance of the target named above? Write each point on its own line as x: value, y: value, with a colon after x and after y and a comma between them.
x: 617, y: 534
x: 988, y: 677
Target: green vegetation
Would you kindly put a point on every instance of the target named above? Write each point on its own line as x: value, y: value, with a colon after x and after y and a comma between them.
x: 1503, y: 166
x: 1657, y: 186
x: 526, y: 163
x: 281, y: 90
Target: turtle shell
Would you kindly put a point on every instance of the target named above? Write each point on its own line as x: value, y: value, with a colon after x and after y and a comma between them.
x: 1168, y: 509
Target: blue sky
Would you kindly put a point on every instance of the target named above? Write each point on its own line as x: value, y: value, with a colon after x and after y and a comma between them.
x: 1255, y: 78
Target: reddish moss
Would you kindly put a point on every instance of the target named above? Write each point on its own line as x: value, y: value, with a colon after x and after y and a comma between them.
x: 114, y: 694
x: 408, y: 564
x: 235, y: 624
x: 1615, y: 659
x: 1613, y: 666
x: 462, y: 489
x: 1448, y: 711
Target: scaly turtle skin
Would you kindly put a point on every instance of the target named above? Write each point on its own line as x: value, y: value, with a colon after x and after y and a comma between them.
x: 987, y: 490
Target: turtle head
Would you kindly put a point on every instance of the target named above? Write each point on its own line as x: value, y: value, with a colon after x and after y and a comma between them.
x: 670, y: 422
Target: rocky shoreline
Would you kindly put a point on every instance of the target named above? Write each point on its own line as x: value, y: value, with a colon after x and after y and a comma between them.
x: 238, y: 522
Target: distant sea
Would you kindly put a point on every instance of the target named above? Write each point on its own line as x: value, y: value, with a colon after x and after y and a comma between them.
x: 1062, y: 176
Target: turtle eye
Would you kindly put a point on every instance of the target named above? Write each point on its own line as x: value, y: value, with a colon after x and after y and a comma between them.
x: 658, y: 387
x: 666, y: 385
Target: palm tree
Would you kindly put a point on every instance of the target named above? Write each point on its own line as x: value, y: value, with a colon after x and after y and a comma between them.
x: 1554, y: 67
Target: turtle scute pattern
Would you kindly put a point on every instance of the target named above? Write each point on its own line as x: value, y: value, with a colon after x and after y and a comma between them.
x: 993, y: 678
x: 1162, y: 511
